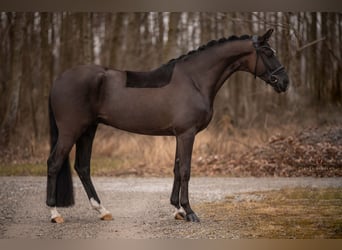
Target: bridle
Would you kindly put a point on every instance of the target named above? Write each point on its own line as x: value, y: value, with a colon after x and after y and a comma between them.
x: 271, y: 78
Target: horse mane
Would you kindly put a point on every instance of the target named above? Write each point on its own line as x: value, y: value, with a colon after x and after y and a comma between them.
x: 210, y: 44
x: 161, y: 76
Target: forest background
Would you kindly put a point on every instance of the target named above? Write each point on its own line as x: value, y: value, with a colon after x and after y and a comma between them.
x: 35, y: 47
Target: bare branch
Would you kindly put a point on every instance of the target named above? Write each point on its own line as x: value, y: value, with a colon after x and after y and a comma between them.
x: 264, y: 21
x: 310, y: 44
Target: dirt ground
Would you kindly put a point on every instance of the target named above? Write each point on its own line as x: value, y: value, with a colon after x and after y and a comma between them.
x: 141, y: 209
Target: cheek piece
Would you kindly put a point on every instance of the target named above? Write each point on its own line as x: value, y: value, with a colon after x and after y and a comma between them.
x: 271, y: 75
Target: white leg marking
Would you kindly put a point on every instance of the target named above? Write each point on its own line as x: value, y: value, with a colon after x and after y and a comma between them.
x: 54, y: 213
x: 98, y: 207
x: 179, y: 211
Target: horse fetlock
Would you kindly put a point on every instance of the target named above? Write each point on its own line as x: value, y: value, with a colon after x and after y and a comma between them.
x: 94, y: 203
x: 186, y: 206
x: 104, y: 213
x: 175, y: 202
x: 179, y: 214
x: 55, y: 216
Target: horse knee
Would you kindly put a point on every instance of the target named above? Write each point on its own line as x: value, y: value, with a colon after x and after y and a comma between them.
x: 174, y: 202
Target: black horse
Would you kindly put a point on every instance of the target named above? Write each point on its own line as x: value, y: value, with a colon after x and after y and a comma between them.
x: 175, y: 99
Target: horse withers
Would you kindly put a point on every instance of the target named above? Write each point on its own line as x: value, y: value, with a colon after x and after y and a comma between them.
x: 175, y: 99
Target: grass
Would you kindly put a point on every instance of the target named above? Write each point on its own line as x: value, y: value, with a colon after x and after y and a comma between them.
x: 22, y: 169
x: 100, y: 166
x: 299, y: 213
x: 106, y: 166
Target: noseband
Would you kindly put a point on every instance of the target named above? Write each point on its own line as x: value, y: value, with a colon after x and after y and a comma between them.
x: 272, y: 79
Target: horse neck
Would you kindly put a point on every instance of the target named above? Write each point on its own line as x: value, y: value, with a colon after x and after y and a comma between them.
x: 213, y: 66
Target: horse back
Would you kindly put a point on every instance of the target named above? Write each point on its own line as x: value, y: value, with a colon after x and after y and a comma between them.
x: 150, y: 79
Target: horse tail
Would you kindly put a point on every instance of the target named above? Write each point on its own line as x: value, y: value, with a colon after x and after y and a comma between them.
x: 64, y: 187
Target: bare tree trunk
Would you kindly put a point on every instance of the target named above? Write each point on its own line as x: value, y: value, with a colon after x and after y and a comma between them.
x: 205, y: 27
x: 56, y: 23
x: 144, y: 37
x: 5, y: 62
x: 334, y: 32
x: 298, y: 70
x: 323, y: 78
x: 313, y: 54
x: 17, y: 39
x: 66, y: 55
x: 45, y: 71
x: 132, y: 58
x: 160, y: 41
x: 116, y: 42
x: 236, y: 87
x: 108, y: 38
x: 170, y: 48
x: 87, y: 38
x: 33, y: 86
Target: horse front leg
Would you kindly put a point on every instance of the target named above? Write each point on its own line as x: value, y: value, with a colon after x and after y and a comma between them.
x: 179, y: 214
x: 185, y: 144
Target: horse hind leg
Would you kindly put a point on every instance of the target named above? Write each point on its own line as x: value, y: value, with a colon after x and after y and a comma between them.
x: 82, y: 167
x: 59, y: 182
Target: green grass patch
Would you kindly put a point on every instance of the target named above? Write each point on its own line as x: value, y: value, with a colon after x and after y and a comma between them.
x: 302, y: 213
x: 23, y: 169
x: 106, y: 166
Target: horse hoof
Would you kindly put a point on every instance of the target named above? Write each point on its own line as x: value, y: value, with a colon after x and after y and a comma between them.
x: 57, y: 220
x: 107, y: 217
x: 180, y: 216
x: 192, y: 218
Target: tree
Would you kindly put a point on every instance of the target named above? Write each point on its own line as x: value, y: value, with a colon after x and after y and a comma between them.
x: 16, y: 37
x: 170, y: 49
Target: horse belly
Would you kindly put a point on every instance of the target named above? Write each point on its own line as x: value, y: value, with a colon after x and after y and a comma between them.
x: 139, y: 115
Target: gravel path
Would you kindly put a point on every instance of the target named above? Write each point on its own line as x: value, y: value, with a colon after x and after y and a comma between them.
x: 140, y: 206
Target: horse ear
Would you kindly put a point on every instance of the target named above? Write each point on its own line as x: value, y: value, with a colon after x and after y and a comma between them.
x: 266, y: 36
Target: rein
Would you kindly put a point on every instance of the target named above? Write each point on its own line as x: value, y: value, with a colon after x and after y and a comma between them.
x: 271, y: 75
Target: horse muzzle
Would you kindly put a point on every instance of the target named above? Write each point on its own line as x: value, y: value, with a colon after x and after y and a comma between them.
x: 279, y: 82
